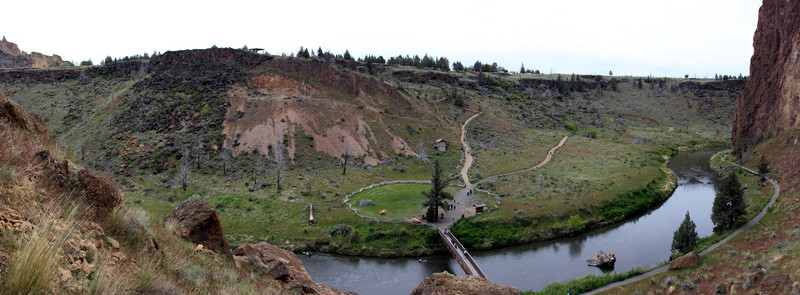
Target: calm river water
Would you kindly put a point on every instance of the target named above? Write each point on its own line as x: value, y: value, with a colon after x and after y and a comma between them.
x: 642, y: 241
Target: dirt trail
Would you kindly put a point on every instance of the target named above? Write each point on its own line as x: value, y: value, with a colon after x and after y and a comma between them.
x: 546, y: 159
x: 462, y: 200
x: 664, y: 268
x: 467, y: 154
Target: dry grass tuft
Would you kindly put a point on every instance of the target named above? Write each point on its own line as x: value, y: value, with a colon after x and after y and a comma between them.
x: 33, y: 265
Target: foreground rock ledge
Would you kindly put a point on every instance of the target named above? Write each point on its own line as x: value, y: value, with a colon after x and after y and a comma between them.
x: 445, y: 283
x: 280, y: 265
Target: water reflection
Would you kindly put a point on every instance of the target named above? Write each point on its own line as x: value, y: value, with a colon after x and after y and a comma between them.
x: 642, y: 241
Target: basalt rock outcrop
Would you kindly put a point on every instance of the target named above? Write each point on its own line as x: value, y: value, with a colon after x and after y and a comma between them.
x: 199, y: 223
x: 12, y: 57
x: 280, y: 265
x: 770, y: 103
x: 445, y: 283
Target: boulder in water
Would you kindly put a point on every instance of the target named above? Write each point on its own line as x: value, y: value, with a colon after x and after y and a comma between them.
x: 603, y: 259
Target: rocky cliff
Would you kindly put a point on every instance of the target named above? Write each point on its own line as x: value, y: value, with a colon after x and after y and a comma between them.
x: 770, y: 103
x: 12, y: 57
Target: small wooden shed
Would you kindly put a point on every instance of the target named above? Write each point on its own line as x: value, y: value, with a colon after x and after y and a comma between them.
x: 440, y: 144
x: 479, y: 208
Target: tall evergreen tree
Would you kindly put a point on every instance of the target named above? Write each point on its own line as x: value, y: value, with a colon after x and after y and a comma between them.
x: 729, y: 206
x: 763, y: 168
x: 685, y: 238
x: 522, y: 69
x: 347, y: 55
x: 436, y: 196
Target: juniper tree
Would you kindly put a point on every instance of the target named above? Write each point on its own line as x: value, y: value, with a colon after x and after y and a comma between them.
x: 729, y: 206
x: 436, y: 196
x: 763, y: 168
x: 685, y: 238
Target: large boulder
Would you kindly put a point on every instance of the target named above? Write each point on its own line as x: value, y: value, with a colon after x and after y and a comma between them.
x: 200, y: 223
x: 688, y: 260
x: 98, y: 191
x: 602, y: 259
x: 280, y: 265
x: 445, y: 283
x: 14, y: 115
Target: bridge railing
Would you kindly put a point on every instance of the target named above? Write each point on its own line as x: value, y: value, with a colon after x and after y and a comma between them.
x: 465, y: 260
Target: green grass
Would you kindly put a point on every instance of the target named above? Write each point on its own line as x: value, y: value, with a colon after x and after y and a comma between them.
x: 586, y: 283
x: 402, y: 201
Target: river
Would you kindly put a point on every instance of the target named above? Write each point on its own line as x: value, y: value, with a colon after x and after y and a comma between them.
x: 642, y: 241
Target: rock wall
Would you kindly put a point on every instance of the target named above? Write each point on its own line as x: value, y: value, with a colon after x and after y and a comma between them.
x: 12, y: 57
x: 770, y: 103
x: 116, y: 70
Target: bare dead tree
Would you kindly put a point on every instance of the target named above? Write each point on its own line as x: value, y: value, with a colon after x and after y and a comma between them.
x: 346, y: 154
x: 540, y: 179
x: 259, y: 166
x: 225, y: 156
x: 184, y: 165
x: 198, y: 152
x: 423, y: 155
x: 280, y: 164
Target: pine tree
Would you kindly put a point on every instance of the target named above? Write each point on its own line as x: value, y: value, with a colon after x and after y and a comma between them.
x: 685, y: 238
x: 522, y: 69
x: 763, y: 168
x: 436, y: 196
x: 729, y: 206
x: 347, y: 55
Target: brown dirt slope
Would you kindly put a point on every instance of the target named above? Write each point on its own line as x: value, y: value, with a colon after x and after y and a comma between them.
x: 770, y: 103
x: 342, y: 110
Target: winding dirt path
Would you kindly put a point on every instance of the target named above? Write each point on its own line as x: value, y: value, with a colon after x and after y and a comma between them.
x: 545, y: 161
x: 664, y: 268
x: 467, y: 154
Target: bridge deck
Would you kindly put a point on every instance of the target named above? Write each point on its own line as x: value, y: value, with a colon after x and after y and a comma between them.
x: 463, y: 257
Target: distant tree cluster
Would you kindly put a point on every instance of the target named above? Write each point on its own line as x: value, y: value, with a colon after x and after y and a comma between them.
x: 109, y: 60
x: 574, y: 84
x: 486, y: 68
x: 729, y: 77
x: 426, y: 61
x: 523, y: 70
x: 439, y: 63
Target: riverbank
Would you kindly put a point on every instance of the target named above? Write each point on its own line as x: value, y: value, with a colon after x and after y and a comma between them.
x: 757, y: 201
x: 494, y: 230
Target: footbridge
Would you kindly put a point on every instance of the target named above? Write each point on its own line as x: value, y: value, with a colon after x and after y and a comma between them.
x: 463, y: 257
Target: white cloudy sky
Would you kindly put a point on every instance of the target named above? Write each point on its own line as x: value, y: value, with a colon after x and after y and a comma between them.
x: 635, y: 37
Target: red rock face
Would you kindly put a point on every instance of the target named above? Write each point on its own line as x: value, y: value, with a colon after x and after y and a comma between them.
x: 13, y: 57
x: 770, y: 103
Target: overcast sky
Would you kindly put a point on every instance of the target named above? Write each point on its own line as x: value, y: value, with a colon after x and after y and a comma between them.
x: 633, y: 37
